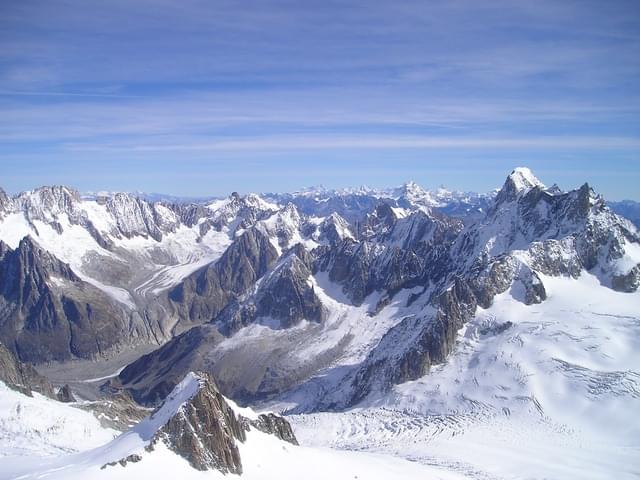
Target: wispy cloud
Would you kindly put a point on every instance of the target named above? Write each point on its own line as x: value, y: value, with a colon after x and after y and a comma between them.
x: 35, y: 93
x: 223, y: 114
x: 256, y: 79
x: 342, y: 142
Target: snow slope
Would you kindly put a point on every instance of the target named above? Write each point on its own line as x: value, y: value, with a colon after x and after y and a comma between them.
x: 40, y: 426
x: 264, y: 456
x: 553, y: 395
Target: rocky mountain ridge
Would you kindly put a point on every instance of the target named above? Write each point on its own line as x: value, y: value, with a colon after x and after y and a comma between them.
x: 452, y: 270
x: 196, y: 422
x: 333, y: 296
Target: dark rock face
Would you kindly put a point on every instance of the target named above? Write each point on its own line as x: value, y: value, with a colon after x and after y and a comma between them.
x: 495, y: 329
x: 203, y: 295
x: 134, y: 216
x: 284, y: 295
x: 133, y: 458
x: 275, y: 425
x: 65, y: 394
x: 333, y: 229
x: 533, y: 286
x: 117, y: 410
x: 153, y: 376
x: 628, y: 282
x: 41, y: 323
x: 189, y: 213
x: 5, y: 203
x: 205, y: 430
x: 238, y: 213
x: 424, y: 341
x: 379, y: 222
x: 400, y: 254
x: 550, y: 258
x: 493, y: 279
x: 22, y: 377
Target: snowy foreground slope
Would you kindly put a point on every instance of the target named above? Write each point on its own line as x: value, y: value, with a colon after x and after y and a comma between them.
x: 38, y: 434
x: 553, y: 394
x: 38, y: 426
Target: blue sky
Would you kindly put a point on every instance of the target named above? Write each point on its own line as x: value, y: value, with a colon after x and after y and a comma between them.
x: 206, y: 97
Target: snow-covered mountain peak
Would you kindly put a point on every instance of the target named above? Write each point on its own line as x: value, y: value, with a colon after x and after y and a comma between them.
x: 442, y: 191
x: 524, y: 179
x: 311, y: 191
x: 51, y: 191
x: 291, y: 211
x: 341, y: 226
x: 331, y: 229
x: 256, y: 201
x: 412, y: 187
x: 282, y: 227
x: 47, y: 203
x: 414, y: 194
x: 519, y: 182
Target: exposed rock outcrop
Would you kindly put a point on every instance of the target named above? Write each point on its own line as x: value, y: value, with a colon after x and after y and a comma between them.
x: 205, y: 430
x: 196, y: 422
x: 203, y: 295
x: 154, y: 375
x: 137, y: 217
x: 41, y: 321
x: 402, y: 253
x: 22, y: 377
x: 407, y: 351
x: 275, y: 425
x: 117, y: 410
x: 284, y: 297
x: 628, y: 282
x: 65, y: 395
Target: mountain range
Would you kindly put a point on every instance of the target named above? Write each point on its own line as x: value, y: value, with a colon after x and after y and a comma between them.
x: 433, y: 304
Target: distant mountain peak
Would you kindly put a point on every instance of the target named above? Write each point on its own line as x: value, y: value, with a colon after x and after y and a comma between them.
x: 523, y: 179
x: 412, y: 190
x: 411, y: 185
x: 519, y: 182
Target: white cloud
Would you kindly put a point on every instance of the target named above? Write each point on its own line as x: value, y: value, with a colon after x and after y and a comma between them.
x: 342, y: 142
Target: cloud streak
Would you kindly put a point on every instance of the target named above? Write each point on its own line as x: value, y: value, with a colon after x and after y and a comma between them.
x: 332, y: 81
x: 341, y: 142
